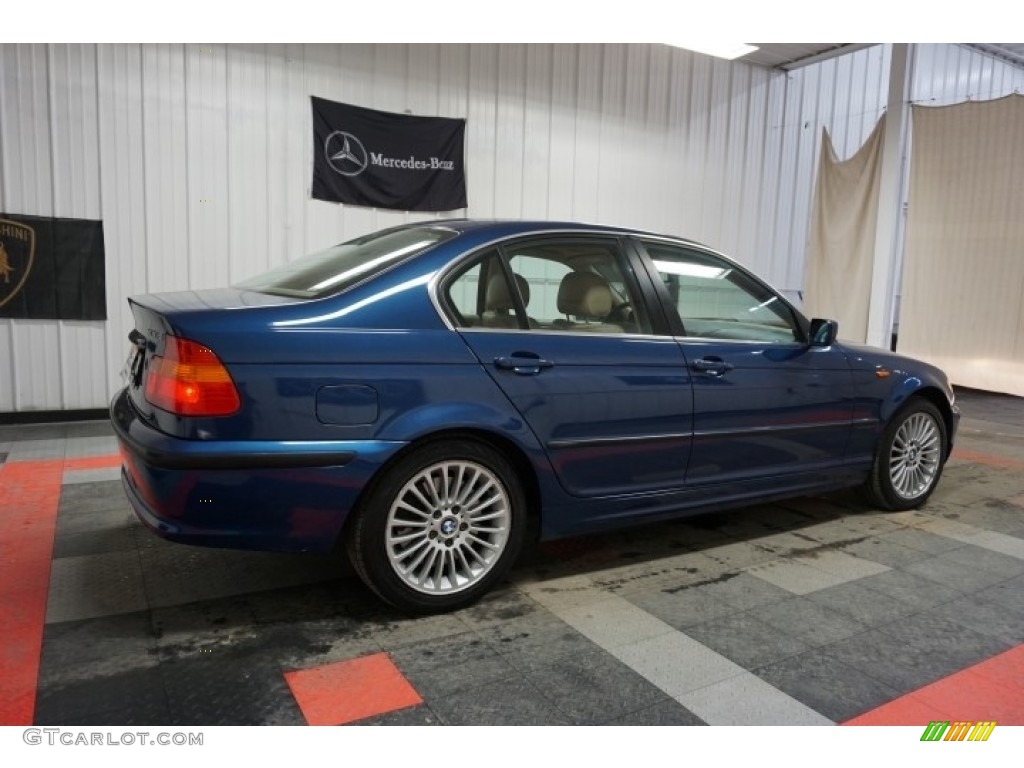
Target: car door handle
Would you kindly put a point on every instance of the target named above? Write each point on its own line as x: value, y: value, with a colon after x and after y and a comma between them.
x: 713, y: 366
x: 523, y: 363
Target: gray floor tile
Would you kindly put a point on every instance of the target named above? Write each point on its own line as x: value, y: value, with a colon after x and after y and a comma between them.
x: 737, y: 555
x: 677, y: 663
x: 36, y: 450
x: 23, y: 432
x: 1004, y: 566
x: 827, y: 685
x: 593, y: 688
x: 811, y: 623
x: 747, y: 640
x: 965, y: 578
x: 78, y: 476
x: 743, y: 591
x: 84, y: 498
x: 911, y: 588
x: 508, y: 702
x: 95, y: 585
x: 90, y: 446
x: 921, y: 540
x: 683, y: 608
x: 993, y: 550
x: 795, y: 577
x: 867, y: 606
x: 1010, y: 593
x: 748, y: 700
x: 884, y: 552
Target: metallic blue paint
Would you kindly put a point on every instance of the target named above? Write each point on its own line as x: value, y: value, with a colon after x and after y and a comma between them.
x: 621, y: 429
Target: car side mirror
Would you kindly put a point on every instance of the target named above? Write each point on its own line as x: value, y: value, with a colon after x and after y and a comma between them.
x: 823, y: 333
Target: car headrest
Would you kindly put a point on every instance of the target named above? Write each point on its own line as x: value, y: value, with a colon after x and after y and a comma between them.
x: 498, y: 298
x: 584, y: 294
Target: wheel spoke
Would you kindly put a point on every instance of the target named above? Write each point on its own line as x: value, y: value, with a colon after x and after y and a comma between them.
x: 447, y: 527
x: 915, y: 455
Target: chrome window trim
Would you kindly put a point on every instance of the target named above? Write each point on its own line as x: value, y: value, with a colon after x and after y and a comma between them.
x: 441, y: 274
x: 735, y: 264
x: 541, y: 332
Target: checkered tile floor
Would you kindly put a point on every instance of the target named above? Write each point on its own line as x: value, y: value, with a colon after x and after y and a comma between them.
x: 814, y: 611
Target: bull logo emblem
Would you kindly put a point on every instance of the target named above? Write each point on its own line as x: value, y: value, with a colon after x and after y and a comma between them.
x: 17, y: 252
x: 5, y: 264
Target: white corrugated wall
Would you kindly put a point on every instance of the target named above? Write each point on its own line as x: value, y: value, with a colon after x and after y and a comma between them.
x: 848, y: 94
x: 198, y: 157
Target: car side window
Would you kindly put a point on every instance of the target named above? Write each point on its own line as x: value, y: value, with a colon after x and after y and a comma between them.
x: 577, y: 285
x: 717, y: 301
x: 479, y: 297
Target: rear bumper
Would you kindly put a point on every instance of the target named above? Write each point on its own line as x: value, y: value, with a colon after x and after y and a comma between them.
x: 266, y: 495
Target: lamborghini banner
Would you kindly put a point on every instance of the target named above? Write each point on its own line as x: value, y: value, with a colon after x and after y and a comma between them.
x: 51, y: 269
x: 384, y: 160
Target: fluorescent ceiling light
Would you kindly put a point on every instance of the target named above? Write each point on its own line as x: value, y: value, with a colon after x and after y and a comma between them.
x: 686, y: 269
x: 721, y: 50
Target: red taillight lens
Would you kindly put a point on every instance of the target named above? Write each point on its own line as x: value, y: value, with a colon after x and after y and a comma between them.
x: 190, y: 380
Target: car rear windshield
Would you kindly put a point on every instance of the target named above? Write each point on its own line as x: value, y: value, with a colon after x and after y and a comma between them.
x: 341, y: 266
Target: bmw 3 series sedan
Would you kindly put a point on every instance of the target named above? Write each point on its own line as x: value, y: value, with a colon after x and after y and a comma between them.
x: 424, y: 395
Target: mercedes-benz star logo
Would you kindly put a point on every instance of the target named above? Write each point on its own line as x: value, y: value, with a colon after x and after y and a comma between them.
x: 345, y: 153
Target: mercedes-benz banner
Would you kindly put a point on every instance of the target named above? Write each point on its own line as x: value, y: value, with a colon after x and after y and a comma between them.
x: 385, y: 160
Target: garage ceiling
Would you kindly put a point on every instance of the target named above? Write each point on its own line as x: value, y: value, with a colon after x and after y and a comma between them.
x: 795, y: 55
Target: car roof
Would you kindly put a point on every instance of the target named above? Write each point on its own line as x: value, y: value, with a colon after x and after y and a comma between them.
x: 507, y: 228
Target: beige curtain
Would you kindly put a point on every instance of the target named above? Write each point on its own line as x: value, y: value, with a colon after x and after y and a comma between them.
x: 842, y: 241
x: 962, y: 305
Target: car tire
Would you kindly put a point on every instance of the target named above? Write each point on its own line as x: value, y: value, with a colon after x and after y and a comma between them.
x: 909, y: 459
x: 440, y: 527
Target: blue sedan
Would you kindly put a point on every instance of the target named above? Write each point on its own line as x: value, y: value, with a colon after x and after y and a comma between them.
x: 426, y: 394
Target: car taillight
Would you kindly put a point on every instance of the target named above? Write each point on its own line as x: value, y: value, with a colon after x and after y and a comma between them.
x: 190, y: 380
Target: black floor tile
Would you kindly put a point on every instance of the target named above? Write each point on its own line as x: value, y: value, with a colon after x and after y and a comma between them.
x: 536, y: 641
x: 138, y: 694
x: 593, y: 688
x: 440, y: 667
x: 905, y: 660
x: 71, y: 644
x: 89, y: 429
x: 419, y: 715
x: 667, y: 712
x: 985, y: 616
x: 507, y: 702
x: 867, y: 606
x: 808, y: 621
x: 827, y: 685
x: 81, y: 541
x: 747, y: 640
x: 228, y: 689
